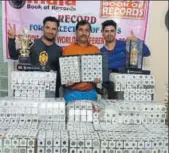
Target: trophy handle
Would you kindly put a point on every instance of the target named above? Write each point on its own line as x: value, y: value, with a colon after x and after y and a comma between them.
x: 32, y: 43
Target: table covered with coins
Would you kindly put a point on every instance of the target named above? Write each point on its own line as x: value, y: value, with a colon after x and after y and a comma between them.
x: 32, y: 120
x: 107, y: 126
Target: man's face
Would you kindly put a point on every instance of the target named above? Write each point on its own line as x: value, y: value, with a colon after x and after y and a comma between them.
x: 109, y: 34
x: 50, y: 30
x: 83, y: 33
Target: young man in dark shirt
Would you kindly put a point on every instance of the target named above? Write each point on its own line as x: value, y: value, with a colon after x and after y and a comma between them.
x: 45, y: 43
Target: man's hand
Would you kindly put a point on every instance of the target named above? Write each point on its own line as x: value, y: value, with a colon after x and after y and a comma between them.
x: 69, y: 83
x: 12, y: 31
x: 97, y: 80
x: 131, y: 37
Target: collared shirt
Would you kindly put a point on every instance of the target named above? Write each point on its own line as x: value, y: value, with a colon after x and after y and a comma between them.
x: 117, y: 56
x: 76, y: 49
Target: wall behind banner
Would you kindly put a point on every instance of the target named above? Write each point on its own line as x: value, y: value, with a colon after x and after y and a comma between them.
x: 157, y: 40
x: 3, y: 66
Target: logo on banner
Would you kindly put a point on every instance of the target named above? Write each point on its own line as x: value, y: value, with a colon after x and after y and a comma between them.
x: 43, y: 58
x: 53, y: 2
x: 123, y: 9
x: 17, y: 3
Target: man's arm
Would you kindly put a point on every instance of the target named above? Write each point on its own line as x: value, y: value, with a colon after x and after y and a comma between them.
x: 58, y: 69
x: 14, y: 54
x: 146, y: 51
x: 58, y: 81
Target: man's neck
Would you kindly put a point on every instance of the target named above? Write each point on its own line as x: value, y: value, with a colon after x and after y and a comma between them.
x: 47, y: 42
x: 110, y: 46
x: 82, y: 44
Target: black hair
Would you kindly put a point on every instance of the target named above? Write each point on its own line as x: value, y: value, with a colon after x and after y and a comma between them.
x: 51, y: 19
x: 83, y: 22
x: 109, y: 23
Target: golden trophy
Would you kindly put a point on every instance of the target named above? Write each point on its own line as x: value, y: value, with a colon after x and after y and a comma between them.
x: 134, y: 54
x: 134, y: 57
x: 24, y: 58
x: 25, y: 44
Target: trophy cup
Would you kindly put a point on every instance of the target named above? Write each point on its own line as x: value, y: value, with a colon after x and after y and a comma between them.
x: 25, y: 45
x: 24, y: 58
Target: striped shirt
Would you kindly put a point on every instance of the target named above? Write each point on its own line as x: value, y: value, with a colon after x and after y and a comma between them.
x: 117, y: 56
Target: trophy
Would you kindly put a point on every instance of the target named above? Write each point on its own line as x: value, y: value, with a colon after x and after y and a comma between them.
x: 134, y: 57
x: 24, y: 58
x: 135, y: 54
x: 25, y: 44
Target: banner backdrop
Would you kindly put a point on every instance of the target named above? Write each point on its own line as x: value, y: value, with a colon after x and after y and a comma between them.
x: 129, y: 15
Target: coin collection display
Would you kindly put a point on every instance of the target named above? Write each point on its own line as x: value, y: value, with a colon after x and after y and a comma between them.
x: 33, y: 84
x: 50, y: 126
x: 85, y: 68
x: 134, y: 87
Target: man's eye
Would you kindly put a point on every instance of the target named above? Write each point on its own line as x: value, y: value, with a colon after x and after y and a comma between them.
x: 109, y: 31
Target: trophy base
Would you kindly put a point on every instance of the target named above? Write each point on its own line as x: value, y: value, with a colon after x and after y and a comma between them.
x: 24, y: 59
x: 28, y: 67
x: 134, y: 71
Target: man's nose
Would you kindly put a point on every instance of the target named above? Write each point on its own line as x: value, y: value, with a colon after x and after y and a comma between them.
x: 83, y: 32
x: 50, y: 31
